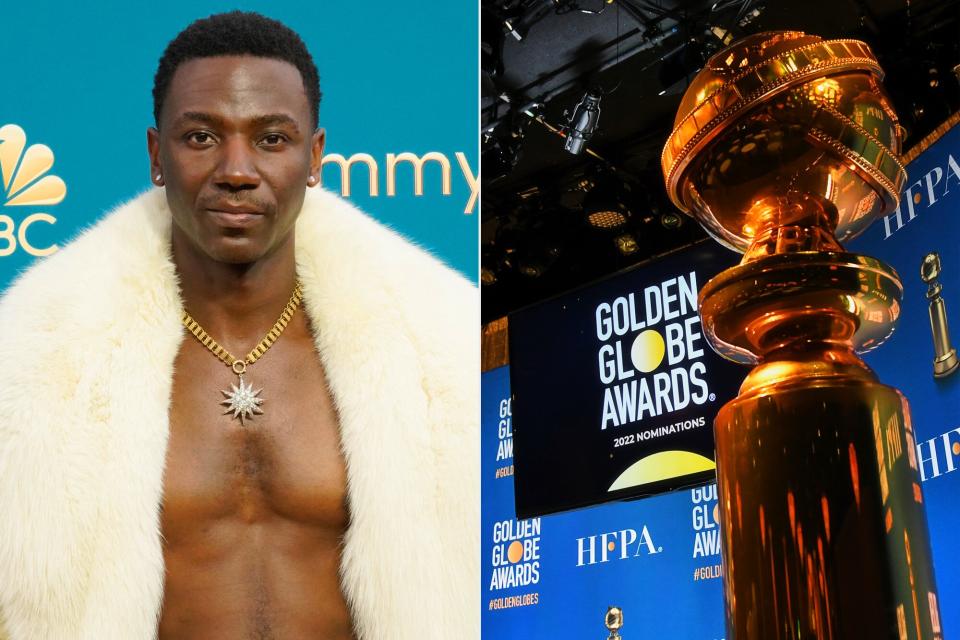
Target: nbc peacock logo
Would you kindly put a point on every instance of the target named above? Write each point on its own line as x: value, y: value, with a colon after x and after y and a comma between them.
x: 26, y: 183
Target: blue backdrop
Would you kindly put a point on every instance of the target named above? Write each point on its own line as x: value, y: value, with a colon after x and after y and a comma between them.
x: 929, y: 221
x: 658, y: 559
x: 396, y: 77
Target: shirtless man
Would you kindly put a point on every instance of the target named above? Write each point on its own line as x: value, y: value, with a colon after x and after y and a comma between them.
x: 253, y: 513
x: 227, y: 518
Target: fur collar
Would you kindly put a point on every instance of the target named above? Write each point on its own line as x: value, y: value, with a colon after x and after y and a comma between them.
x: 89, y: 337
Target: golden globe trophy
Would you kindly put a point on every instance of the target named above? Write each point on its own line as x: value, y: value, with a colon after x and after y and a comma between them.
x: 613, y: 621
x: 945, y: 356
x: 785, y: 145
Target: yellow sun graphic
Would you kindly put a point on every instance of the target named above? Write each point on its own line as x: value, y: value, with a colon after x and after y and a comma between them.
x: 647, y: 351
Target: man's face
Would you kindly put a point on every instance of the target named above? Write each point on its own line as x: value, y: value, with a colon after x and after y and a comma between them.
x: 235, y: 149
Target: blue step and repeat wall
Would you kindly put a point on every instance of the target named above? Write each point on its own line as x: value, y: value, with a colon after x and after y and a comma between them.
x: 400, y: 91
x: 928, y: 221
x: 658, y: 558
x: 554, y: 576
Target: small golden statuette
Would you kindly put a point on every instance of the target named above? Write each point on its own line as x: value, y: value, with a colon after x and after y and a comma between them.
x: 613, y: 622
x: 945, y: 356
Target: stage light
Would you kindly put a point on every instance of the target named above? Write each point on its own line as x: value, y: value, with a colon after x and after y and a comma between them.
x: 604, y: 206
x: 607, y: 219
x: 671, y: 220
x: 531, y: 270
x: 519, y: 25
x: 725, y: 36
x: 583, y: 123
x: 626, y: 244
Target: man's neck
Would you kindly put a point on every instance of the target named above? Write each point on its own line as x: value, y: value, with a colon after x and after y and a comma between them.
x: 235, y: 303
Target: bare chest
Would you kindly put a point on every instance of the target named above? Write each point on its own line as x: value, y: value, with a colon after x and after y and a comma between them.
x: 285, y: 463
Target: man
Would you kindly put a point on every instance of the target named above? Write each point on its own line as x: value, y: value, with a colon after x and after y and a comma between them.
x: 237, y: 407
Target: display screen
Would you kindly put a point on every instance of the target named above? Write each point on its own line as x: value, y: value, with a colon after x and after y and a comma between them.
x: 614, y: 386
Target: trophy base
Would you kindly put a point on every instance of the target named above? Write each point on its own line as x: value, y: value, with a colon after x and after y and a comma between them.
x: 945, y: 364
x: 824, y: 533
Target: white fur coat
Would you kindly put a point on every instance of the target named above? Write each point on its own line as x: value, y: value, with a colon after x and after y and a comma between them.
x: 87, y: 344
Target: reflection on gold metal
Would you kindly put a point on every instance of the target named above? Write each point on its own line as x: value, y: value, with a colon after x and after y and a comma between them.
x: 613, y: 621
x: 786, y: 145
x: 945, y: 356
x: 827, y: 91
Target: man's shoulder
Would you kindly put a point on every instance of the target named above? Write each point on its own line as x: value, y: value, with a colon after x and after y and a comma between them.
x: 132, y: 233
x: 82, y: 284
x: 335, y: 232
x: 367, y: 277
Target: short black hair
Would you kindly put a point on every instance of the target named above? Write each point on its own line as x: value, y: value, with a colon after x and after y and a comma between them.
x: 237, y: 33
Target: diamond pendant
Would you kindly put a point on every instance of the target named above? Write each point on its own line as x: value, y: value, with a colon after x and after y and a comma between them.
x: 243, y: 402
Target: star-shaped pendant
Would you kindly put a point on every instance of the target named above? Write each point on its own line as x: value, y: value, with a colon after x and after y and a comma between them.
x: 243, y: 402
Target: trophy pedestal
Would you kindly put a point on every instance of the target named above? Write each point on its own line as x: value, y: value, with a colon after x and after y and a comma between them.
x: 824, y: 530
x: 824, y: 533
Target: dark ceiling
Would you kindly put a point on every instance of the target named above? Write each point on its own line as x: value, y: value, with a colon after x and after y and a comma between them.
x: 639, y: 55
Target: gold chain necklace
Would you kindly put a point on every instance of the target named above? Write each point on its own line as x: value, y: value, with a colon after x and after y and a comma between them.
x: 243, y: 401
